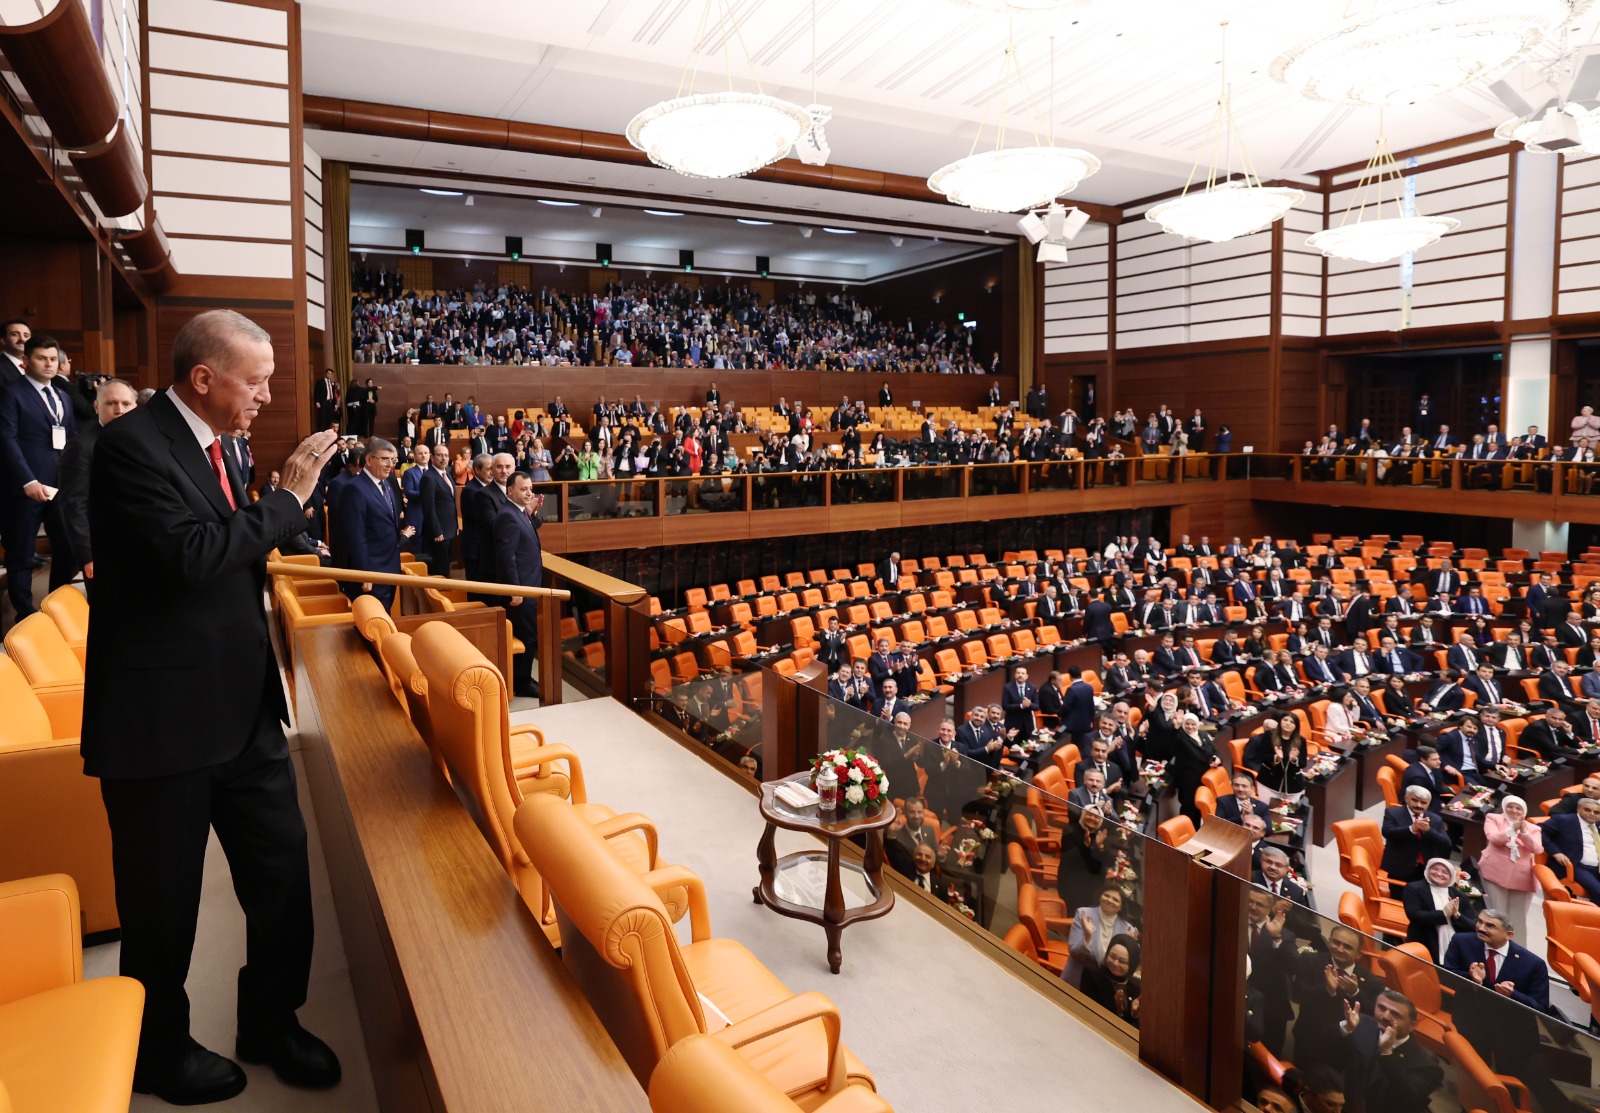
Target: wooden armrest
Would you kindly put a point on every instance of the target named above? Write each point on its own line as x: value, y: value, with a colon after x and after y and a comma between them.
x: 552, y: 752
x: 800, y: 1009
x: 667, y: 878
x: 40, y: 922
x: 627, y: 823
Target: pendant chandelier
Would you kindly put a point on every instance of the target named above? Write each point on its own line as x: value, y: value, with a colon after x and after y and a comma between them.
x: 1227, y: 207
x: 1410, y: 50
x: 1361, y: 237
x: 1010, y: 179
x: 724, y: 134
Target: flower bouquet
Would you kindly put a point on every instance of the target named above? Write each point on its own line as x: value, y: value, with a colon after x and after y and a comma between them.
x: 1463, y: 885
x: 1475, y: 799
x: 1122, y: 874
x: 1154, y: 773
x: 1323, y: 765
x: 1531, y: 771
x: 862, y: 781
x: 955, y: 900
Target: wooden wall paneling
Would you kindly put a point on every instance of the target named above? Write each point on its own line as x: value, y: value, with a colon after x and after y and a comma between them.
x: 1230, y: 383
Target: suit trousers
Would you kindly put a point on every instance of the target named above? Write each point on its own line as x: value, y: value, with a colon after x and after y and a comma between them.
x: 525, y: 625
x: 159, y: 830
x: 438, y: 556
x: 20, y: 518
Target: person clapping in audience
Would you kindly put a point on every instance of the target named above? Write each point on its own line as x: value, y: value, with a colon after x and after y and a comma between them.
x: 1435, y: 909
x: 1114, y: 984
x: 1093, y: 928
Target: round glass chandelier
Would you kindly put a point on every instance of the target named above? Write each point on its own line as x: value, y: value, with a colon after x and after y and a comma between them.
x: 1230, y: 207
x: 718, y: 135
x: 1528, y: 129
x: 1225, y: 210
x: 1415, y: 49
x: 1011, y: 179
x: 1382, y: 240
x: 1375, y: 238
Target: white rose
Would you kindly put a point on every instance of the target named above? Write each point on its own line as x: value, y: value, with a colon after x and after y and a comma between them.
x: 855, y: 794
x: 856, y: 775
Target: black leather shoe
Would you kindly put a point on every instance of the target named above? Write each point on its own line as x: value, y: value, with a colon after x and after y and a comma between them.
x: 529, y: 690
x: 297, y: 1057
x: 200, y: 1078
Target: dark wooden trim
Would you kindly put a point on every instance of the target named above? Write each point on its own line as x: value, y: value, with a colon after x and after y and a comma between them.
x: 182, y: 115
x: 1428, y: 149
x: 220, y: 197
x: 219, y: 38
x: 219, y: 158
x: 285, y: 86
x: 226, y: 239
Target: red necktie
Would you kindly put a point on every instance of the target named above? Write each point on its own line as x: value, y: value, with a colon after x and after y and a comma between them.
x: 1491, y: 962
x: 214, y: 452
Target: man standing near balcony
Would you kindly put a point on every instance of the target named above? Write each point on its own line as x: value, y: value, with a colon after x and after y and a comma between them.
x: 519, y: 559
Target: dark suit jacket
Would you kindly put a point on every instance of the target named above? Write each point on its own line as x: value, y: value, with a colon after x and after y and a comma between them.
x: 518, y: 557
x: 438, y: 496
x: 1289, y: 890
x: 1400, y: 1082
x: 475, y: 523
x: 1228, y: 808
x: 1077, y: 708
x: 179, y: 659
x: 1433, y: 780
x: 1564, y: 832
x: 1097, y: 621
x: 1425, y: 920
x: 73, y: 478
x: 26, y: 454
x: 366, y: 528
x: 1402, y: 848
x: 1520, y: 966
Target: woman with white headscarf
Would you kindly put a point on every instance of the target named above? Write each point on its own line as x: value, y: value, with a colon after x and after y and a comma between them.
x: 1507, y: 861
x: 1434, y: 909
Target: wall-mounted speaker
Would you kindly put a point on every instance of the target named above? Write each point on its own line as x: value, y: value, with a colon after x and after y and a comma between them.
x: 414, y: 240
x: 602, y: 254
x: 763, y: 265
x: 686, y: 260
x: 514, y: 246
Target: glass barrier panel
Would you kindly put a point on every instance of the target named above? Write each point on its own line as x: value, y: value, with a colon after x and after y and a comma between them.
x: 705, y: 494
x: 997, y: 479
x: 852, y: 488
x: 554, y: 495
x: 1258, y: 465
x: 784, y: 490
x: 1057, y: 475
x: 1370, y: 1020
x: 712, y: 696
x: 927, y: 483
x: 611, y: 498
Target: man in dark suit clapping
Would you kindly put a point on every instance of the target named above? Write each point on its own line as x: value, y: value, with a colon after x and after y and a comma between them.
x: 36, y: 422
x: 519, y: 559
x: 367, y: 525
x: 182, y: 710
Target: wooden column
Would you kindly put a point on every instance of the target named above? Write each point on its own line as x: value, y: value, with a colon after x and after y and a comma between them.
x: 1030, y: 318
x: 336, y: 270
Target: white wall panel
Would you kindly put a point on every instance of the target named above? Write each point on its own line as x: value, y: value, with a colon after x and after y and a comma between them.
x: 214, y: 17
x: 1581, y: 301
x: 220, y: 179
x: 227, y: 218
x: 245, y: 260
x: 182, y: 135
x: 219, y: 98
x: 183, y: 54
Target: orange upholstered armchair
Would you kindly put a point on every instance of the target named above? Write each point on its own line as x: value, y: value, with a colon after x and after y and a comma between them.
x: 703, y: 1074
x: 65, y: 1043
x: 650, y: 992
x: 468, y: 714
x: 54, y: 811
x: 53, y: 671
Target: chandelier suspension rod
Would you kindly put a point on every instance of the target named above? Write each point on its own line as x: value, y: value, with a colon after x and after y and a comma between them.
x: 691, y: 67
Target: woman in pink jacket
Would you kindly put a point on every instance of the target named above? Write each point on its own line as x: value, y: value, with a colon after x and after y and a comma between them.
x: 1507, y: 862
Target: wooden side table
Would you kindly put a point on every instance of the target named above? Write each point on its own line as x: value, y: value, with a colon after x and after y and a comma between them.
x: 789, y: 885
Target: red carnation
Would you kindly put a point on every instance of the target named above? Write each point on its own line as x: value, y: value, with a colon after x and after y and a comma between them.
x: 872, y: 790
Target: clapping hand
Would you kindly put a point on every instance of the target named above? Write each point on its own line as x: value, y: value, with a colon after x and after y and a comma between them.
x: 1478, y: 972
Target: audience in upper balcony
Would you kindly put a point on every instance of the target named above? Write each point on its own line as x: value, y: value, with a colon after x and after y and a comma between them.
x: 650, y: 324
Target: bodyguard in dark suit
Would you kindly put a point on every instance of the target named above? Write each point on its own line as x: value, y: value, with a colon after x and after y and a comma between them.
x: 114, y: 398
x: 36, y: 422
x: 182, y: 709
x: 519, y: 559
x: 437, y: 492
x: 367, y: 525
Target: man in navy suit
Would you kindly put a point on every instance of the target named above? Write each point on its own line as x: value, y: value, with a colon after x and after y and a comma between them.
x: 1020, y: 699
x: 1273, y: 876
x: 367, y: 528
x: 1234, y: 808
x: 1459, y: 750
x: 1077, y: 705
x: 36, y: 422
x: 1506, y: 1037
x: 1411, y: 835
x: 1427, y: 772
x: 1574, y: 839
x: 519, y: 559
x: 437, y: 491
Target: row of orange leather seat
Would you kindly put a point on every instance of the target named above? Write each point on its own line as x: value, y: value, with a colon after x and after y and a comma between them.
x: 531, y: 800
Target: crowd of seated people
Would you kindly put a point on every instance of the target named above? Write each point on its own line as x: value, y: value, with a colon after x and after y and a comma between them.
x: 649, y: 324
x: 1483, y: 666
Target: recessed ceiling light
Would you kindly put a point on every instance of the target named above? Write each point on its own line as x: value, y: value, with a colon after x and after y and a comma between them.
x: 557, y: 204
x: 662, y: 212
x: 442, y: 192
x: 839, y: 231
x: 748, y: 220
